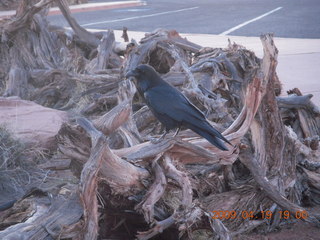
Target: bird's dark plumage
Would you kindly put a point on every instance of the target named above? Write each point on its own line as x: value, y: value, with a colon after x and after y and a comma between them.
x: 171, y: 107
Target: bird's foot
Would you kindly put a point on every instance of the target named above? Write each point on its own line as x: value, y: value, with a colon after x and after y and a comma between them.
x: 157, y: 140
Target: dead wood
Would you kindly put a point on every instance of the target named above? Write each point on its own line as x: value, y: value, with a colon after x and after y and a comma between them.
x: 52, y: 222
x: 108, y: 123
x: 155, y: 192
x: 107, y: 179
x: 252, y: 164
x: 83, y: 34
x: 220, y: 229
x: 24, y: 16
x: 88, y: 181
x: 125, y: 181
x: 182, y: 179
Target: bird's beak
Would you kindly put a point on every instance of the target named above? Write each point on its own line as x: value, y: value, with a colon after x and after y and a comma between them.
x: 132, y: 73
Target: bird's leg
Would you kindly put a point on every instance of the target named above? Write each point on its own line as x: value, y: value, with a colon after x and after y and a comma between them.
x: 177, y: 131
x: 154, y: 141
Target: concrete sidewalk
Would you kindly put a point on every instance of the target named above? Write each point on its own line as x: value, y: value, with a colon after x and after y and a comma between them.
x: 298, y: 59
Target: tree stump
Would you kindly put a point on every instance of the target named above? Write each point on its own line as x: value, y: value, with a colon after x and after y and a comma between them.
x: 107, y: 180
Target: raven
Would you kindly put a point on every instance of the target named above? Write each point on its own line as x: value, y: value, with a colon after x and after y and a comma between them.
x: 171, y: 107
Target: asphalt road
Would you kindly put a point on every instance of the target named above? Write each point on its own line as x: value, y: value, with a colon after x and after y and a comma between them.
x: 285, y: 18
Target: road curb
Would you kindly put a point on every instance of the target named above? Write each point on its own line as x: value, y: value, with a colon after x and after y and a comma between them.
x: 86, y: 7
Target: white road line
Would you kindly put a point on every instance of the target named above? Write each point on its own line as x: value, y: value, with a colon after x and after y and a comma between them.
x: 247, y: 22
x: 138, y: 17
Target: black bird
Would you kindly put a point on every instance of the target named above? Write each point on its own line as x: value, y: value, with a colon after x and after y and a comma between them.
x: 171, y: 107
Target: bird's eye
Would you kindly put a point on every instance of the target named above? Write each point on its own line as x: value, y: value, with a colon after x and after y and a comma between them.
x: 139, y: 70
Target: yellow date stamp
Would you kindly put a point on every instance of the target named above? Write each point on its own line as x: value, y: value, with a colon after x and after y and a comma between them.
x: 251, y: 215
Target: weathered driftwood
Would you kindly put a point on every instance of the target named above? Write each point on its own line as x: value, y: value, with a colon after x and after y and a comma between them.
x: 118, y: 184
x: 83, y: 34
x: 55, y: 221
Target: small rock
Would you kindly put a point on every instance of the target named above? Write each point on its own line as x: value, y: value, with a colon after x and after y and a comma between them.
x: 33, y: 124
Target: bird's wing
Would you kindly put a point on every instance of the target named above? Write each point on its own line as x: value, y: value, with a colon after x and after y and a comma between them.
x: 169, y: 101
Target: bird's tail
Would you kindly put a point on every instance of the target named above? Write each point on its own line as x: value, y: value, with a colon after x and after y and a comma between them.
x: 212, y: 135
